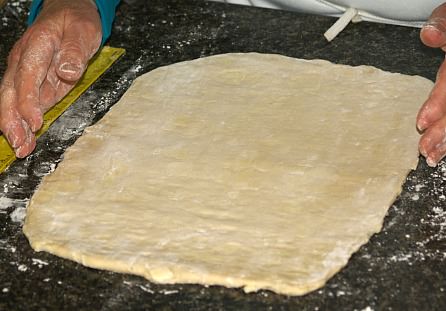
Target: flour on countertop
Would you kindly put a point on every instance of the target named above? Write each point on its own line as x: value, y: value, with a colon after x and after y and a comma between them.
x: 151, y: 288
x: 4, y: 245
x: 39, y: 263
x: 6, y: 203
x: 15, y: 10
x: 120, y: 86
x: 18, y: 215
x: 432, y: 224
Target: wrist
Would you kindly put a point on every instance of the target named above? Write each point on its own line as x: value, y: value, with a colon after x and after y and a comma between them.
x: 106, y: 9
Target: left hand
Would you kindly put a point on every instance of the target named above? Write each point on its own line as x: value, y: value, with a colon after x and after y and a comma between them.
x: 44, y: 64
x: 431, y: 119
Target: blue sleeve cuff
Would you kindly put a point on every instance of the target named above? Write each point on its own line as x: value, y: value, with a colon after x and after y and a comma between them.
x: 106, y: 8
x: 36, y: 6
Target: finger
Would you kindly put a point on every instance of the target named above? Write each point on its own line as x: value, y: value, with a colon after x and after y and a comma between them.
x: 433, y: 33
x: 49, y: 88
x: 50, y: 94
x: 433, y: 142
x: 75, y: 52
x: 63, y: 89
x: 47, y: 96
x: 435, y: 106
x: 10, y: 120
x: 53, y: 89
x: 31, y: 72
x: 13, y: 60
x: 17, y: 131
x: 28, y: 146
x: 436, y: 155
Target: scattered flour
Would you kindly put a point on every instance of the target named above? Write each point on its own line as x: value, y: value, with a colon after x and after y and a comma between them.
x: 121, y: 85
x: 39, y: 263
x: 5, y: 203
x: 340, y: 293
x: 168, y: 292
x: 146, y: 289
x: 4, y: 245
x: 16, y: 11
x: 18, y: 215
x: 433, y: 222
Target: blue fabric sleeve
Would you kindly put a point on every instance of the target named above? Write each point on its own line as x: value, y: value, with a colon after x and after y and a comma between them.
x: 106, y: 8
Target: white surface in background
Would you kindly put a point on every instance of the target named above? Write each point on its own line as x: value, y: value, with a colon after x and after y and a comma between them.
x: 407, y: 13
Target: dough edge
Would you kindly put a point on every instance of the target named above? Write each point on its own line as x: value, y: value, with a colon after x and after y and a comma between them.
x: 174, y: 275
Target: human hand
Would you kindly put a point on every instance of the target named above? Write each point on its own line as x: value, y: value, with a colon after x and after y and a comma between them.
x: 431, y: 119
x: 44, y: 65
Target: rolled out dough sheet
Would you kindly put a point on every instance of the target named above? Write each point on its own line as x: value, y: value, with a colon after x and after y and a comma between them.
x: 243, y: 170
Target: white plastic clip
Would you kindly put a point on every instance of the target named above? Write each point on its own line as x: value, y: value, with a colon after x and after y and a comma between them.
x: 340, y: 24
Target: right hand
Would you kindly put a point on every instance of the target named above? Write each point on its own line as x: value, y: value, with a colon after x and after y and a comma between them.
x: 431, y: 119
x: 44, y: 65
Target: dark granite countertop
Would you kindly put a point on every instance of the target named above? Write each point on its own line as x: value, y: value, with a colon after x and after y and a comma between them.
x: 401, y: 268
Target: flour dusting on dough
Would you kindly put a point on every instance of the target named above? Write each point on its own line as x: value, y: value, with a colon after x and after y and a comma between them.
x: 216, y: 204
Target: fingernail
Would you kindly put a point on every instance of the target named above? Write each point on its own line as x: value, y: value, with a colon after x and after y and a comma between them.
x: 436, y: 23
x: 37, y: 124
x: 23, y: 151
x: 430, y: 25
x: 431, y: 162
x: 420, y: 126
x: 12, y: 139
x: 70, y: 68
x: 18, y: 152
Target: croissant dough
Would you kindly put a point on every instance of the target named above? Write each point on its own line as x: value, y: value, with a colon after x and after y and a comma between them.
x: 243, y: 170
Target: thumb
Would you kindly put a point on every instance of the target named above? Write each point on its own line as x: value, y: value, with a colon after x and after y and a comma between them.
x: 74, y: 53
x: 433, y: 33
x: 70, y: 61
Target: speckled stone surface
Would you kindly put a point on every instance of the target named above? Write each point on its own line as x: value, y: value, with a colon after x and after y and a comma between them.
x: 401, y: 268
